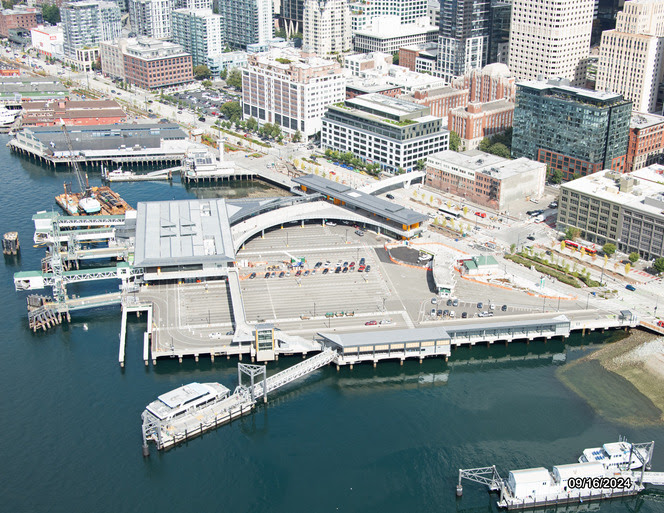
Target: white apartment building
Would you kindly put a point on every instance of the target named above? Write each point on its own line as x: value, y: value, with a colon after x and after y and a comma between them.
x: 364, y: 11
x: 291, y: 88
x: 378, y: 129
x: 193, y: 4
x: 151, y: 18
x: 630, y: 61
x: 551, y: 39
x: 326, y: 27
x: 200, y: 32
x: 87, y: 24
x: 387, y: 34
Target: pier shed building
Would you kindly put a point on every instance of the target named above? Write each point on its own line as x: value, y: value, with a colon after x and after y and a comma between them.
x: 183, y: 240
x: 388, y: 344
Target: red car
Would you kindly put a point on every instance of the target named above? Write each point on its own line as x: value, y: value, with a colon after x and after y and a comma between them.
x: 660, y: 324
x: 481, y: 214
x: 371, y: 323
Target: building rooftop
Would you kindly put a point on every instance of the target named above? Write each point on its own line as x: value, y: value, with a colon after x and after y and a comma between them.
x: 562, y: 86
x: 147, y: 48
x: 288, y: 58
x: 641, y: 190
x: 641, y: 120
x: 379, y: 103
x: 188, y: 232
x: 354, y: 198
x: 371, y: 338
x: 390, y: 27
x: 480, y: 162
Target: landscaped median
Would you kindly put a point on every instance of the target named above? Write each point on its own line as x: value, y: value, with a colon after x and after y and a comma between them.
x: 557, y: 271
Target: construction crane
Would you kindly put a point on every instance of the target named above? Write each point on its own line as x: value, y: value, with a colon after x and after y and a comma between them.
x: 89, y: 204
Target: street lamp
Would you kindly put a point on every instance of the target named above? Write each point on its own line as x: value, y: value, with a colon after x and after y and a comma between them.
x: 314, y: 308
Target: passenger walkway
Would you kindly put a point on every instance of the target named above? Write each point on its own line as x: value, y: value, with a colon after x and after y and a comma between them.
x: 406, y: 179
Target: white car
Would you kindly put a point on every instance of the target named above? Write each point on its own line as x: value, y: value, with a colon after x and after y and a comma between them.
x: 330, y: 224
x: 386, y: 321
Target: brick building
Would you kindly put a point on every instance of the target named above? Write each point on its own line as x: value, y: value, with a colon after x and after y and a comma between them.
x: 479, y: 120
x: 493, y: 82
x: 646, y: 141
x: 485, y: 179
x: 408, y: 54
x: 441, y: 100
x: 19, y: 17
x: 83, y: 112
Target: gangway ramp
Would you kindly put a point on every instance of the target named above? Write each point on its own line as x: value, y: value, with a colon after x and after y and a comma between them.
x: 653, y: 478
x: 406, y: 179
x: 297, y: 371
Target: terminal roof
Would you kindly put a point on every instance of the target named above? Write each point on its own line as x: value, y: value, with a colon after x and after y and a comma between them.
x: 361, y: 200
x: 386, y: 337
x: 189, y: 232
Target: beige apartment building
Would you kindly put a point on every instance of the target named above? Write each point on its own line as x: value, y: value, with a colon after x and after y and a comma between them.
x: 630, y: 60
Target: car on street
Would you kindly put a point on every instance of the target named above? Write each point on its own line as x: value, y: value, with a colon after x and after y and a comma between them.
x: 553, y: 204
x: 252, y: 276
x: 330, y: 224
x: 359, y: 233
x: 503, y: 308
x: 481, y: 214
x: 202, y: 118
x: 660, y: 324
x: 630, y: 287
x: 386, y: 321
x: 389, y: 196
x: 371, y: 323
x: 530, y: 237
x: 306, y: 273
x: 318, y: 264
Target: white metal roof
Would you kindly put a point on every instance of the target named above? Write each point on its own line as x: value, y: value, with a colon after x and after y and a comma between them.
x: 530, y: 475
x: 590, y: 469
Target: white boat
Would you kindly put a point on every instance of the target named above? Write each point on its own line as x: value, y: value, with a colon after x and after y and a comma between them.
x: 115, y: 174
x: 615, y: 456
x: 186, y: 399
x: 8, y: 116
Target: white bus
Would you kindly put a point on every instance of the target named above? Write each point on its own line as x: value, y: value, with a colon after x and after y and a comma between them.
x: 449, y: 213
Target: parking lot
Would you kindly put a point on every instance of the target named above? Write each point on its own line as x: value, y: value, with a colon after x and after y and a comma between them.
x: 207, y: 102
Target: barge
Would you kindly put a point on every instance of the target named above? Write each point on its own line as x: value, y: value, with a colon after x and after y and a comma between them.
x: 101, y: 201
x: 616, y: 469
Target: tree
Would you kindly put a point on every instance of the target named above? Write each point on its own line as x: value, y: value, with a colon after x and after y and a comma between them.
x: 223, y: 74
x: 395, y: 58
x: 51, y: 13
x: 485, y: 144
x: 280, y: 33
x: 572, y: 232
x: 633, y: 257
x: 420, y: 164
x: 234, y: 79
x: 455, y: 141
x: 297, y: 136
x: 207, y: 84
x: 202, y: 72
x: 512, y: 247
x: 500, y: 150
x: 231, y: 109
x: 555, y: 175
x: 609, y: 248
x: 659, y: 265
x: 252, y: 124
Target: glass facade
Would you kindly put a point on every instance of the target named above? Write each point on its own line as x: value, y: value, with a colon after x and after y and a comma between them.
x: 573, y: 130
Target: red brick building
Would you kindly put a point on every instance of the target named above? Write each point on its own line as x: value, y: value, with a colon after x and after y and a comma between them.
x: 441, y: 100
x: 646, y: 141
x: 19, y: 17
x: 151, y: 63
x: 82, y: 112
x: 493, y: 82
x: 479, y: 120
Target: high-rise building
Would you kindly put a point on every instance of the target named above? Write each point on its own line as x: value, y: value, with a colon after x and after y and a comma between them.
x: 576, y: 131
x: 408, y: 11
x: 292, y: 14
x: 646, y: 141
x: 291, y: 89
x: 550, y: 39
x: 463, y: 36
x: 326, y: 27
x: 630, y: 58
x: 151, y: 18
x: 200, y: 32
x: 89, y: 23
x: 499, y: 35
x: 246, y: 22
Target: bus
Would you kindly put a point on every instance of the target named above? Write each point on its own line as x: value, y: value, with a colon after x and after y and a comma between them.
x: 579, y: 247
x: 449, y: 213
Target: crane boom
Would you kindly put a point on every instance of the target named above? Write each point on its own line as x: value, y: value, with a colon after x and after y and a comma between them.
x: 85, y: 189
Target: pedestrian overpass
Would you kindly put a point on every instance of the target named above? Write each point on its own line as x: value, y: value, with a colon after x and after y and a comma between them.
x: 384, y: 185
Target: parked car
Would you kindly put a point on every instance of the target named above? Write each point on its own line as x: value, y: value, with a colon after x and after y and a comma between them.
x: 299, y: 273
x: 464, y: 315
x: 344, y: 270
x: 389, y: 196
x: 367, y: 269
x: 503, y: 308
x: 362, y: 261
x: 660, y: 324
x: 530, y: 237
x: 282, y: 274
x: 337, y: 270
x: 481, y: 214
x: 371, y: 323
x: 389, y: 321
x: 480, y: 306
x: 326, y: 270
x: 553, y: 204
x: 306, y: 273
x: 449, y: 302
x: 630, y: 287
x: 433, y: 312
x: 434, y: 300
x: 330, y: 224
x: 252, y: 276
x: 267, y: 275
x: 455, y: 302
x: 359, y: 233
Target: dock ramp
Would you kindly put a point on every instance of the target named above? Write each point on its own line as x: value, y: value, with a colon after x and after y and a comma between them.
x: 653, y: 478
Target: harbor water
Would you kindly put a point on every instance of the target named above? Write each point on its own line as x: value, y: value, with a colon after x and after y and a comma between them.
x: 389, y: 439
